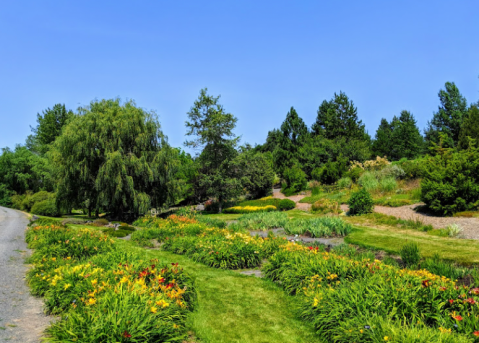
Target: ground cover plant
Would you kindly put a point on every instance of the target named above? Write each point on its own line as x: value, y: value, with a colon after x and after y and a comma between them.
x: 103, y: 294
x: 364, y: 300
x: 318, y: 227
x: 261, y: 221
x: 226, y: 248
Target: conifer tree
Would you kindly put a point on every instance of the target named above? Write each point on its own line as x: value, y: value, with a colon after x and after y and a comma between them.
x: 449, y: 117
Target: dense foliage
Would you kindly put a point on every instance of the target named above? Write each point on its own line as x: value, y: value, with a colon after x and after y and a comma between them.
x: 361, y: 202
x: 115, y: 157
x: 451, y: 181
x: 104, y: 294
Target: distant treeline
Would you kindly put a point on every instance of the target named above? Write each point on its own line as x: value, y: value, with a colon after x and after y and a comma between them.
x: 113, y: 157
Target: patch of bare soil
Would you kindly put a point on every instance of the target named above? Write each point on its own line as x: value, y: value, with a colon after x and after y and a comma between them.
x: 470, y: 226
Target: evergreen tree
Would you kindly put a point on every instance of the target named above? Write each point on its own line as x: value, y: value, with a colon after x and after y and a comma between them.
x: 382, y: 143
x: 294, y: 134
x: 213, y: 129
x: 449, y: 117
x: 407, y: 141
x: 470, y: 127
x: 339, y: 118
x: 49, y: 127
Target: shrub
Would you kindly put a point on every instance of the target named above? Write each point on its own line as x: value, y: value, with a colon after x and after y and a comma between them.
x: 410, y: 254
x: 451, y: 183
x: 5, y: 196
x: 413, y: 169
x: 361, y: 202
x: 391, y: 170
x: 46, y: 208
x: 329, y: 173
x: 388, y: 184
x: 368, y: 181
x: 355, y: 173
x: 286, y: 205
x: 453, y: 230
x: 100, y: 222
x: 344, y: 182
x: 295, y: 180
x: 326, y: 206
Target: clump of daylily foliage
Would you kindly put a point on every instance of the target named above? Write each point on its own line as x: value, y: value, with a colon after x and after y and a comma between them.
x: 362, y: 300
x: 214, y: 246
x: 103, y: 294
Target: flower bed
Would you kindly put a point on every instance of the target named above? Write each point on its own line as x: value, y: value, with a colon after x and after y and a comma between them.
x: 102, y: 294
x: 359, y: 300
x: 227, y: 248
x: 250, y: 209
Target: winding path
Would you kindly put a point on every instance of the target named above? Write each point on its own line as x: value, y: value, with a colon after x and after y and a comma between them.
x: 470, y: 226
x: 21, y: 316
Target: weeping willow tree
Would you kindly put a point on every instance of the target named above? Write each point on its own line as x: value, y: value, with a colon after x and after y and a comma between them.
x: 114, y: 157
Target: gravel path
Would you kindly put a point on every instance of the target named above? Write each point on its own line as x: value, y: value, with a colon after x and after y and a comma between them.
x: 296, y: 198
x: 470, y: 226
x: 21, y: 315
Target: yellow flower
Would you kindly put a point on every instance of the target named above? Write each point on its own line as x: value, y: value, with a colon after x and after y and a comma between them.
x: 69, y: 258
x: 386, y: 338
x: 361, y: 330
x: 153, y: 309
x: 162, y: 303
x: 124, y: 279
x: 91, y: 301
x: 94, y: 282
x: 66, y: 286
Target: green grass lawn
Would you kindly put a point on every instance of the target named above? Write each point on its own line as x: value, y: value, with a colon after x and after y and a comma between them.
x: 235, y: 308
x: 391, y: 239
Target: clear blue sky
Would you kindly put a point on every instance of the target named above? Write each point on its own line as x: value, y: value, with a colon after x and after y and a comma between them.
x: 262, y: 57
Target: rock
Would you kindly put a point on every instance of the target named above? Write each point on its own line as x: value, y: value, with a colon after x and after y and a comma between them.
x: 200, y: 207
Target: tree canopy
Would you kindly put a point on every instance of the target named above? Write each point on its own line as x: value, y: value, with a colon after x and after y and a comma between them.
x: 49, y: 126
x: 449, y: 117
x: 113, y: 156
x: 339, y: 118
x: 212, y: 129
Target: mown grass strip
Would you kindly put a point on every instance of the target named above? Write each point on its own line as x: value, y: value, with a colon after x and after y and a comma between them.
x: 235, y: 308
x: 463, y: 251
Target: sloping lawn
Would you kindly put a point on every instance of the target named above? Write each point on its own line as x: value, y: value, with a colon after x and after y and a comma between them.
x: 464, y: 251
x: 236, y: 308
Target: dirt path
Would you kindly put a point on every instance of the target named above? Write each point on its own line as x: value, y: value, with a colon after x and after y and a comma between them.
x: 21, y: 315
x: 296, y: 198
x: 470, y: 226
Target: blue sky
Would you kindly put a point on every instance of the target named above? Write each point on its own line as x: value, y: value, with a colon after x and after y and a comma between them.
x: 262, y: 57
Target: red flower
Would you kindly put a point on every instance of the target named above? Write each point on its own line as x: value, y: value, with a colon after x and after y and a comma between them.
x: 161, y: 280
x: 451, y: 301
x: 476, y: 333
x: 175, y: 264
x: 311, y: 248
x: 442, y: 288
x: 425, y: 283
x: 126, y: 334
x: 458, y: 318
x: 470, y: 301
x: 475, y: 291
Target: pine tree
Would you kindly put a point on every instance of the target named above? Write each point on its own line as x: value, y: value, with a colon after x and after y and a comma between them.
x: 449, y: 117
x: 407, y: 141
x: 339, y: 118
x: 470, y: 127
x: 294, y: 134
x: 213, y: 128
x: 383, y: 140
